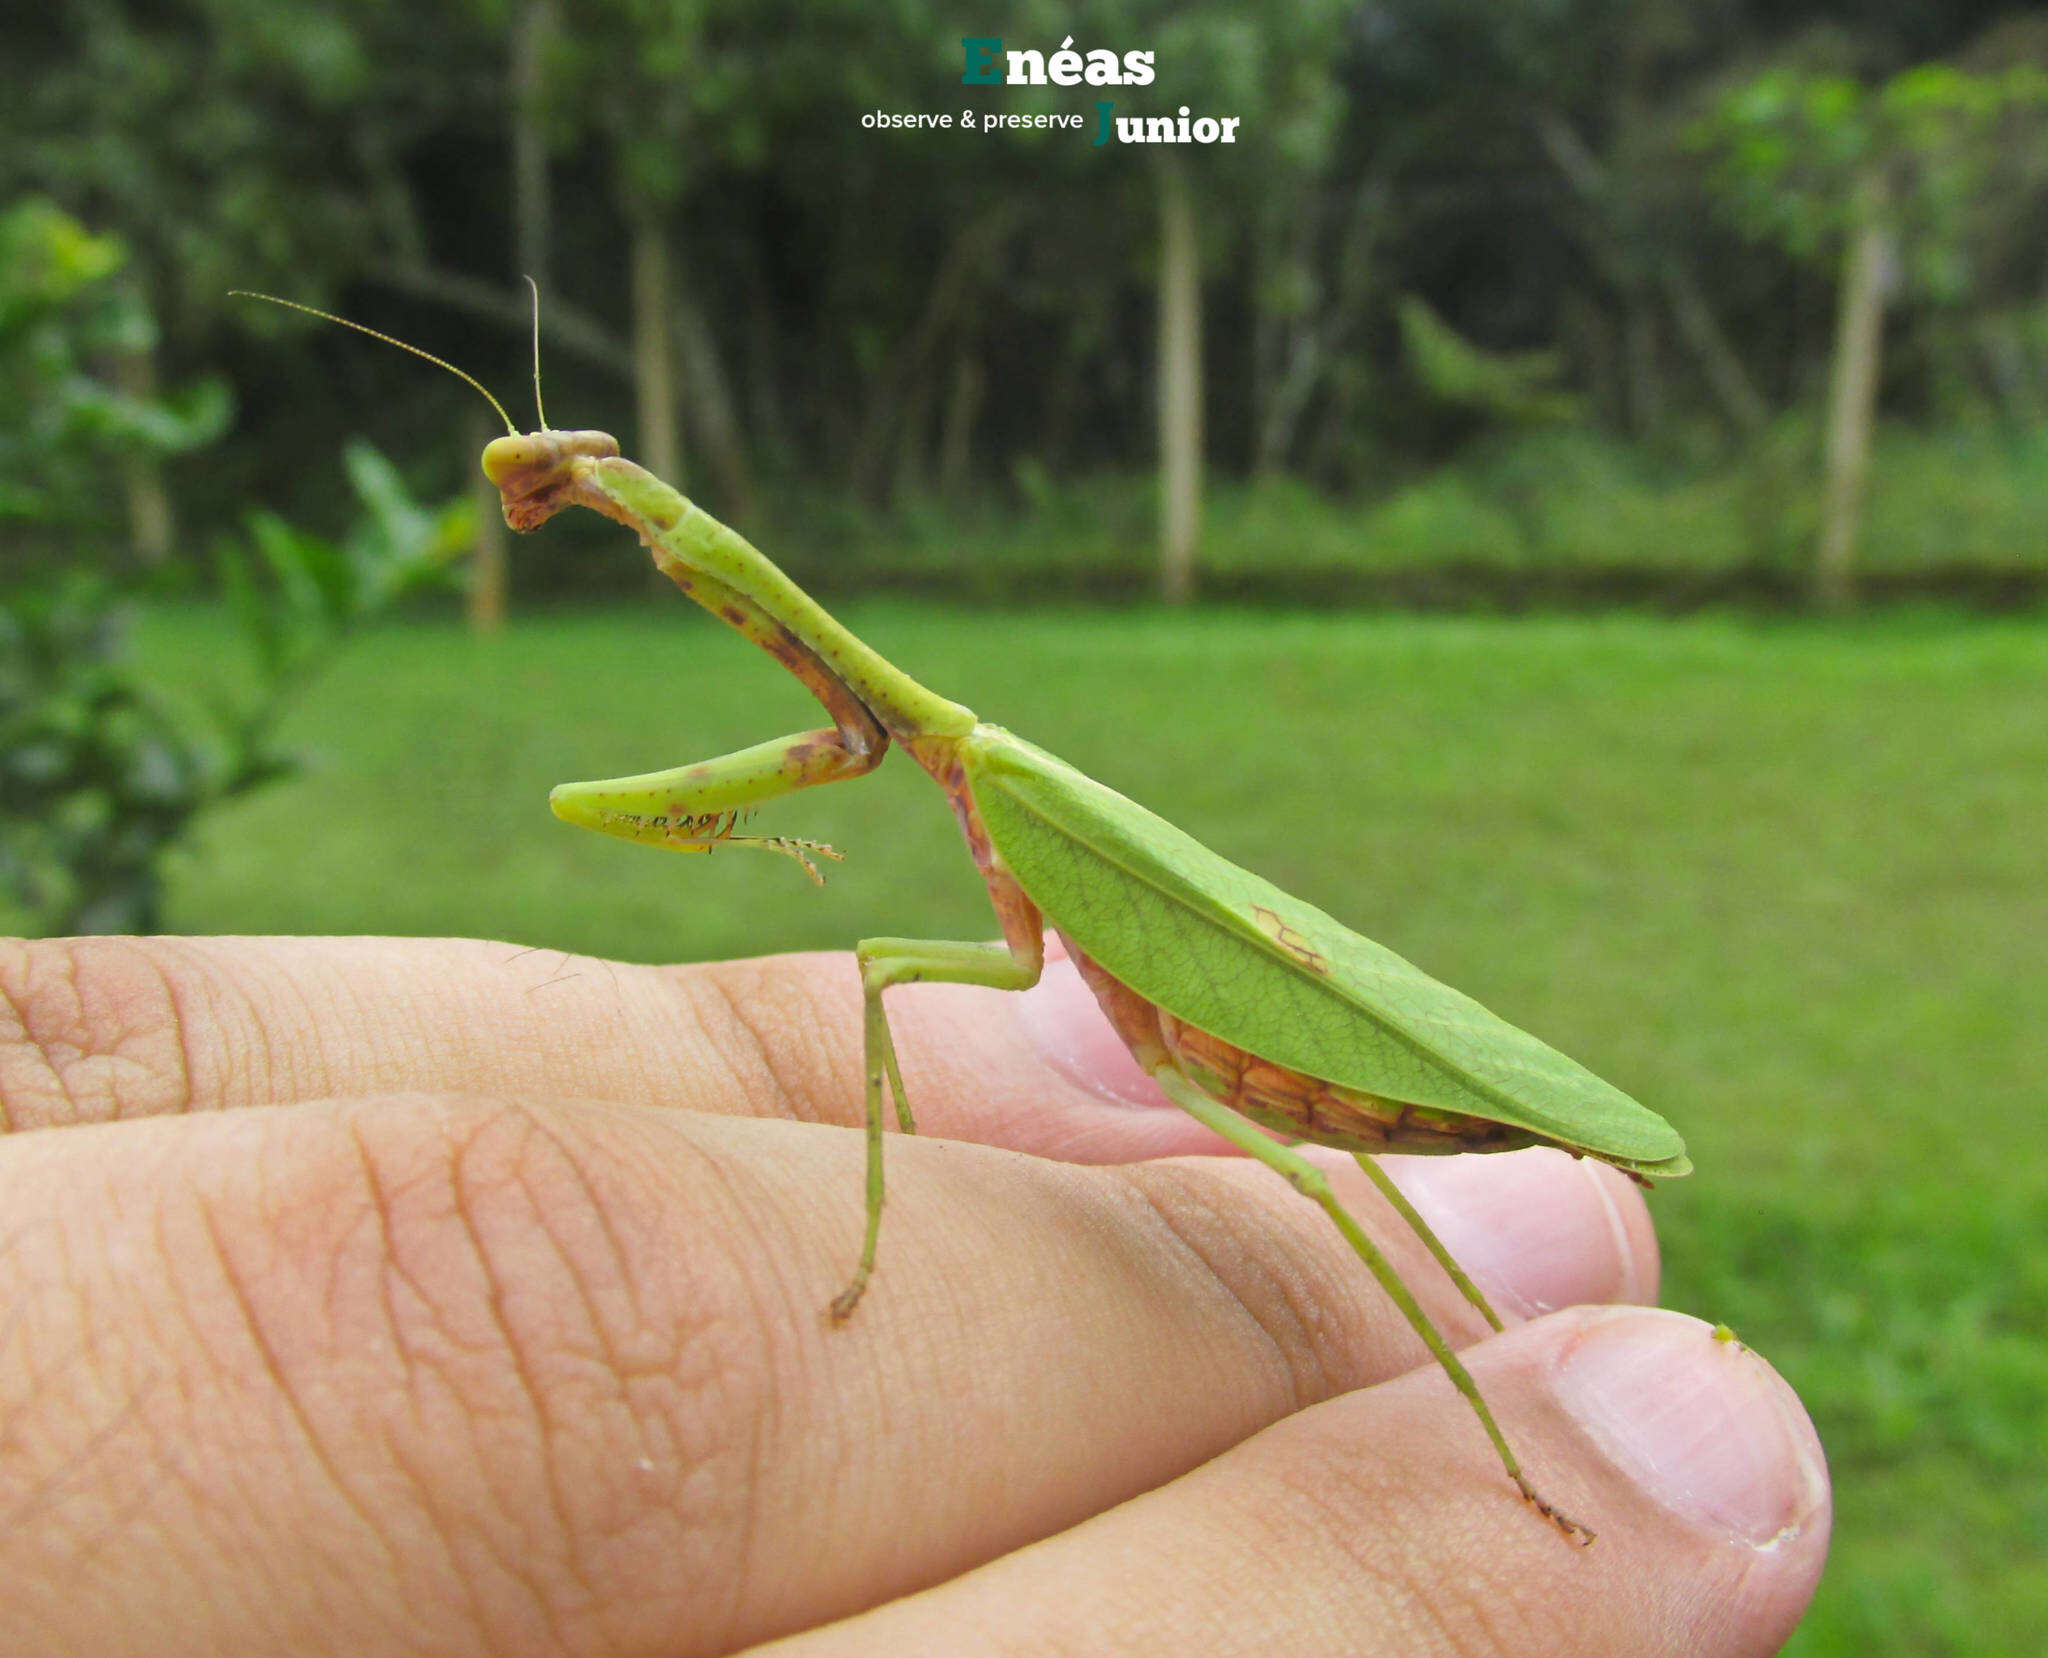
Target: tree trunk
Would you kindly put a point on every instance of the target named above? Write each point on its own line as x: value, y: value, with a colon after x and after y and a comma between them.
x: 1722, y: 369
x: 1180, y: 384
x: 152, y: 527
x: 1639, y: 355
x: 488, y: 561
x: 654, y: 376
x: 1852, y: 392
x: 956, y: 442
x: 896, y: 395
x: 532, y: 214
x: 714, y: 421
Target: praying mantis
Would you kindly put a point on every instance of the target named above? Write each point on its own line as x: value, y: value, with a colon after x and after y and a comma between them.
x: 1269, y: 1022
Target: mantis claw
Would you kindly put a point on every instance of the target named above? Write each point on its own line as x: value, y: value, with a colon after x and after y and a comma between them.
x: 797, y: 849
x: 1578, y: 1535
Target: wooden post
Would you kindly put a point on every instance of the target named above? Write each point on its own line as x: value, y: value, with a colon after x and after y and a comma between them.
x: 1180, y: 384
x: 1867, y: 266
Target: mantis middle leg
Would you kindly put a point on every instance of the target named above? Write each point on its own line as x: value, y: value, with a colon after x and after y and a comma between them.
x: 1014, y: 964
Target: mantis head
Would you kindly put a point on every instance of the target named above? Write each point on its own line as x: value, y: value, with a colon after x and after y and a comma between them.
x: 534, y: 471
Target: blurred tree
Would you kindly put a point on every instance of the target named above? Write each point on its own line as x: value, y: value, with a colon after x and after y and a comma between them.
x: 896, y: 317
x: 102, y: 776
x: 1884, y: 178
x: 1277, y: 72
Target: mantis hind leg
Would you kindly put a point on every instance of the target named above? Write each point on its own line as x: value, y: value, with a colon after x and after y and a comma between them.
x: 888, y: 961
x: 1421, y: 1228
x: 1311, y: 1182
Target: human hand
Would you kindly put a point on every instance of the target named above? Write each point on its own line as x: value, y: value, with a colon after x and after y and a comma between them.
x: 493, y: 1324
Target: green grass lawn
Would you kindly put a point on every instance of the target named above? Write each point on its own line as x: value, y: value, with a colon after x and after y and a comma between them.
x: 1787, y: 883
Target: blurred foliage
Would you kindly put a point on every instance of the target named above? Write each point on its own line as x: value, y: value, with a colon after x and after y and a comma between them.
x: 101, y: 774
x: 1556, y: 516
x: 64, y: 311
x: 1791, y: 147
x: 1443, y: 220
x: 1519, y: 388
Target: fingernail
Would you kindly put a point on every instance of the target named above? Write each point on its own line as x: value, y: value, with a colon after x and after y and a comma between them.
x: 1536, y: 1230
x: 1702, y: 1425
x: 1060, y: 1016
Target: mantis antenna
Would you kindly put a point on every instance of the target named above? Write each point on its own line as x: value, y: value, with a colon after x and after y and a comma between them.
x: 540, y: 412
x: 329, y: 316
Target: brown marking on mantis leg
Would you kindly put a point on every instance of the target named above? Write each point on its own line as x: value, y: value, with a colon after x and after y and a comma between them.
x: 558, y: 474
x: 1022, y: 922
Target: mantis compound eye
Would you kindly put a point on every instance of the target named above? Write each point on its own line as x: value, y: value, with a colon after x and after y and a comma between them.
x: 535, y: 455
x: 508, y: 457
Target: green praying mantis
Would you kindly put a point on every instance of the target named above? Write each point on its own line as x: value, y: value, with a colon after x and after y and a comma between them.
x: 1266, y: 1020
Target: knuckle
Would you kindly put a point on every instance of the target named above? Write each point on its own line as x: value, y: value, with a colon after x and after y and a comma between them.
x: 471, y: 1293
x: 91, y: 1030
x: 1268, y: 1266
x: 782, y: 1033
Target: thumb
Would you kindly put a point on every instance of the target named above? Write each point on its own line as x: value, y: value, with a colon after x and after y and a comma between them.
x: 1380, y: 1523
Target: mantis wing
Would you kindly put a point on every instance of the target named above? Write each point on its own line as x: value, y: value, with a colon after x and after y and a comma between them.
x: 1235, y: 956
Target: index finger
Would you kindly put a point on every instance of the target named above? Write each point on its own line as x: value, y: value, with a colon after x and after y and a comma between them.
x: 110, y: 1028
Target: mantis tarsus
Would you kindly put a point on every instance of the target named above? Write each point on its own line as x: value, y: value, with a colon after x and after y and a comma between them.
x: 1252, y: 1009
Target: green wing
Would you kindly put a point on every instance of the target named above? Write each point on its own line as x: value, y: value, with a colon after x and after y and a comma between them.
x: 1235, y: 956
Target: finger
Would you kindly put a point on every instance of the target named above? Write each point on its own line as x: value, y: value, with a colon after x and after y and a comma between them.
x: 348, y: 1377
x: 106, y: 1028
x: 113, y: 1028
x: 94, y: 1030
x: 100, y: 1029
x: 1378, y: 1524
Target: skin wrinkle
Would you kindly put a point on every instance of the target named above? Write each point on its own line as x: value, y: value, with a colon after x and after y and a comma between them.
x: 26, y: 997
x: 40, y: 1381
x: 127, y: 1031
x: 1289, y: 1337
x: 1347, y: 1525
x: 620, y: 1274
x: 243, y: 1060
x: 542, y: 1186
x: 740, y: 1018
x: 415, y: 1366
x: 431, y: 1487
x: 466, y: 1189
x: 1477, y: 1608
x: 1273, y: 1538
x: 765, y: 1316
x: 334, y: 1007
x: 621, y: 1370
x: 390, y: 1268
x: 13, y: 1028
x: 174, y: 1001
x: 275, y: 1370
